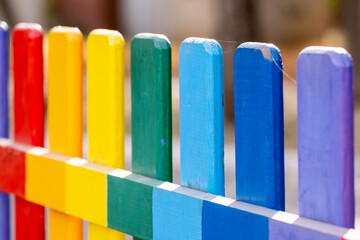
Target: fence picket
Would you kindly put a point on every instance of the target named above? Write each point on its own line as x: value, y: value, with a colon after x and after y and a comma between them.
x: 4, y: 123
x: 259, y: 125
x: 65, y: 113
x: 151, y: 131
x: 105, y: 104
x: 27, y: 40
x: 201, y: 115
x: 325, y: 135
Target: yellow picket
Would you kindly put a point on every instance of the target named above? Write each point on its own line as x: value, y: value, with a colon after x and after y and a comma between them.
x: 105, y: 108
x: 65, y: 112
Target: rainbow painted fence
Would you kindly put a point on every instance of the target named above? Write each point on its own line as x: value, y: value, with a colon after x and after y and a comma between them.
x: 144, y: 203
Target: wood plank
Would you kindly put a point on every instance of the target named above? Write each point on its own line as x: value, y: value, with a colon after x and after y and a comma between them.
x: 65, y: 112
x: 45, y: 178
x: 325, y: 135
x: 151, y: 121
x: 207, y: 216
x: 105, y: 97
x: 86, y: 192
x: 105, y: 108
x: 4, y: 216
x: 4, y: 123
x: 27, y: 43
x: 4, y: 80
x: 219, y: 221
x: 12, y: 167
x: 27, y: 40
x: 201, y: 115
x: 259, y: 125
x: 65, y: 90
x: 131, y: 196
x: 180, y: 212
x: 176, y: 213
x: 284, y: 226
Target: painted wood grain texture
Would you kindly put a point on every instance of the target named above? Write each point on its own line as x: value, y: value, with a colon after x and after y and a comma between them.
x: 201, y: 115
x: 219, y: 221
x: 176, y: 215
x: 86, y: 196
x: 12, y: 168
x: 27, y: 40
x: 151, y: 121
x: 282, y: 230
x: 45, y: 178
x: 259, y: 125
x: 105, y: 97
x: 325, y: 135
x: 131, y: 197
x: 182, y: 213
x: 65, y: 112
x: 4, y: 122
x: 105, y: 109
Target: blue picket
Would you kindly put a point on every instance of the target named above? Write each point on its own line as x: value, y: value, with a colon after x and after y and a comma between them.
x: 4, y: 122
x: 259, y: 125
x: 325, y: 135
x: 201, y: 115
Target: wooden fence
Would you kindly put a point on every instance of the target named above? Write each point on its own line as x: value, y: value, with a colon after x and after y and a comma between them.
x: 144, y: 203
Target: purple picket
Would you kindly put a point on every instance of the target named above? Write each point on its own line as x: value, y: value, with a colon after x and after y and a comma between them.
x: 325, y: 135
x: 4, y: 80
x: 4, y: 122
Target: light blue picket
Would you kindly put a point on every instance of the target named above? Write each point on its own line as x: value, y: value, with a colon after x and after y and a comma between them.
x: 325, y: 135
x: 259, y: 125
x: 4, y: 122
x: 201, y: 115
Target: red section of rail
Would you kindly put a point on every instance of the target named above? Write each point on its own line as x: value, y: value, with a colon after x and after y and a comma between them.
x: 12, y: 168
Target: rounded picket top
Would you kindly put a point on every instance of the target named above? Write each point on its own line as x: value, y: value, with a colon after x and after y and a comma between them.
x: 159, y: 41
x: 210, y: 46
x: 268, y: 50
x: 337, y: 55
x: 112, y: 37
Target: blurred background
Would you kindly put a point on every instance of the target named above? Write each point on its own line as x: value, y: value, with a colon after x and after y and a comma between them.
x: 289, y: 24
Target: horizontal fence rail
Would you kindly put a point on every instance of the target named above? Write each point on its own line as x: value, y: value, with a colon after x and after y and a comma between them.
x: 174, y: 212
x: 144, y: 203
